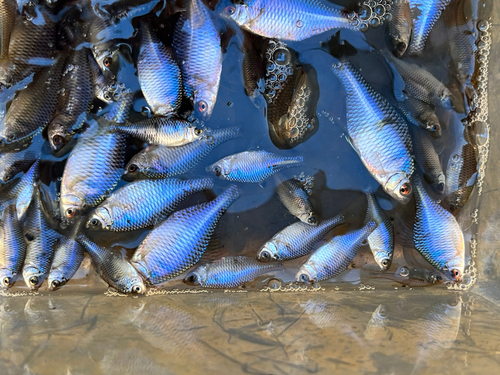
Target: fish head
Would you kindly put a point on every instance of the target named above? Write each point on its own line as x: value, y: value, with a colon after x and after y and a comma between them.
x: 33, y: 277
x: 383, y: 260
x: 399, y: 45
x: 439, y: 184
x: 399, y: 187
x: 444, y: 97
x: 101, y: 217
x: 139, y: 165
x: 58, y: 134
x: 221, y: 169
x: 306, y: 274
x: 193, y: 133
x: 7, y: 278
x: 135, y: 285
x: 56, y: 280
x: 308, y: 218
x: 71, y: 206
x: 270, y: 250
x: 239, y: 13
x: 455, y: 271
x: 198, y: 277
x: 106, y: 59
x: 204, y: 103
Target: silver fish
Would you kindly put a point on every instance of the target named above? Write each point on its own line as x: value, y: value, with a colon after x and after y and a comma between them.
x: 113, y: 268
x: 378, y: 133
x: 26, y: 190
x: 252, y: 166
x: 12, y: 163
x: 334, y: 256
x: 422, y: 115
x: 103, y: 85
x: 427, y: 159
x: 197, y: 45
x: 162, y: 161
x: 230, y: 272
x: 437, y: 235
x: 296, y: 200
x: 159, y: 74
x: 290, y: 19
x: 297, y: 240
x: 180, y: 241
x: 143, y: 203
x: 166, y: 131
x: 381, y: 240
x: 399, y: 28
x: 12, y: 247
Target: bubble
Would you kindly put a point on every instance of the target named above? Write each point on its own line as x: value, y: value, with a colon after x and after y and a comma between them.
x: 273, y: 77
x: 388, y: 17
x: 282, y: 56
x: 270, y: 67
x: 364, y: 27
x: 282, y: 77
x: 365, y: 13
x: 146, y: 111
x: 483, y: 25
x: 299, y: 23
x: 274, y: 284
x: 404, y: 271
x: 374, y: 22
x: 481, y: 131
x: 455, y: 158
x: 294, y: 132
x: 380, y: 10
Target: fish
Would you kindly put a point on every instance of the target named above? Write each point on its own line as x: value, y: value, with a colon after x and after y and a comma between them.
x: 103, y: 85
x: 41, y: 239
x: 143, y: 203
x: 159, y: 75
x: 295, y: 199
x: 113, y: 268
x: 179, y: 242
x: 12, y: 247
x: 101, y: 37
x: 427, y: 160
x: 230, y: 272
x: 422, y: 115
x: 161, y: 161
x: 377, y: 133
x: 381, y: 240
x: 166, y: 131
x: 33, y: 107
x: 74, y: 100
x: 437, y: 235
x: 292, y: 20
x: 297, y: 240
x: 253, y: 62
x: 68, y: 257
x: 197, y: 45
x: 334, y: 256
x: 424, y: 13
x: 7, y: 22
x: 26, y: 190
x: 399, y: 27
x: 377, y: 329
x: 413, y: 277
x: 252, y: 166
x: 12, y: 163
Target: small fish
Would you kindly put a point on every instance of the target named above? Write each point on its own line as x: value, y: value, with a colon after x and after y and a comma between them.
x: 296, y: 200
x: 252, y: 166
x: 422, y: 115
x: 12, y: 247
x: 12, y: 163
x: 334, y: 256
x: 166, y: 131
x: 377, y: 133
x: 290, y: 19
x: 74, y: 101
x: 399, y: 27
x: 427, y: 159
x: 197, y: 45
x: 103, y: 85
x: 253, y: 62
x: 7, y: 21
x: 113, y: 268
x: 159, y: 75
x: 162, y: 161
x: 377, y: 328
x: 381, y: 240
x: 26, y: 190
x: 424, y: 13
x: 179, y: 242
x: 297, y: 240
x: 413, y: 277
x: 437, y: 235
x: 41, y: 239
x: 230, y: 272
x: 143, y: 203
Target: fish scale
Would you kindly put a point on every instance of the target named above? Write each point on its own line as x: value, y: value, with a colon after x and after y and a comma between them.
x: 428, y: 161
x: 12, y: 247
x: 381, y: 240
x: 180, y: 241
x: 377, y: 132
x: 144, y: 203
x: 11, y: 163
x: 296, y: 200
x: 7, y: 21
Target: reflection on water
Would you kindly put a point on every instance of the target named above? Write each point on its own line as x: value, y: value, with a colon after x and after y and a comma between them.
x: 257, y: 333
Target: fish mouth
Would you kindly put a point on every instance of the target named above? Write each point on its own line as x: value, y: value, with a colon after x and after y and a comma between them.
x: 7, y: 279
x: 33, y: 277
x: 56, y: 282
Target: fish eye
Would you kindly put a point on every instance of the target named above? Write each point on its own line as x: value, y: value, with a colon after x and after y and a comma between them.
x: 265, y: 255
x: 217, y: 170
x: 57, y: 140
x: 137, y: 289
x: 456, y: 274
x: 132, y: 168
x: 385, y: 262
x: 94, y: 222
x: 312, y: 220
x: 405, y: 189
x: 70, y: 212
x: 8, y: 177
x: 56, y: 284
x: 230, y: 10
x: 33, y: 280
x: 202, y: 106
x: 401, y: 47
x: 192, y: 279
x: 107, y: 61
x: 6, y: 281
x: 304, y: 278
x: 198, y: 131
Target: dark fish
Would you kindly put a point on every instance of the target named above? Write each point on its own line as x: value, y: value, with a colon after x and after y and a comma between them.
x: 74, y: 100
x: 295, y: 199
x: 253, y: 62
x: 12, y: 247
x: 334, y: 256
x: 399, y: 27
x: 428, y: 161
x: 103, y: 85
x: 230, y: 272
x: 162, y: 161
x: 297, y: 240
x: 7, y: 21
x: 12, y: 163
x: 381, y: 240
x: 113, y: 268
x: 413, y: 277
x: 422, y: 115
x: 101, y: 36
x: 178, y: 243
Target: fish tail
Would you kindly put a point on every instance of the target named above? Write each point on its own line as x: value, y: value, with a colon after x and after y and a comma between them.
x: 228, y: 197
x: 202, y: 184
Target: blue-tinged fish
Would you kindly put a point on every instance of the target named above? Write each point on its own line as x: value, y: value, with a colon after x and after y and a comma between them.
x: 113, y: 268
x: 162, y: 161
x: 437, y: 235
x: 26, y: 189
x: 159, y: 74
x: 297, y: 240
x: 294, y: 197
x: 428, y: 161
x: 12, y: 247
x: 377, y: 133
x: 400, y: 27
x: 334, y: 256
x: 425, y: 13
x: 166, y: 131
x: 179, y: 242
x: 290, y: 19
x: 230, y: 272
x: 143, y: 203
x: 381, y: 240
x: 197, y: 45
x: 41, y: 239
x: 68, y: 257
x: 252, y: 166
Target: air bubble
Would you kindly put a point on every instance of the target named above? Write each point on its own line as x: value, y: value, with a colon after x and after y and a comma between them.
x: 365, y: 13
x: 404, y: 272
x: 379, y: 10
x: 364, y: 27
x: 299, y: 24
x: 146, y: 111
x: 374, y: 22
x: 282, y: 56
x: 483, y: 25
x: 274, y: 284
